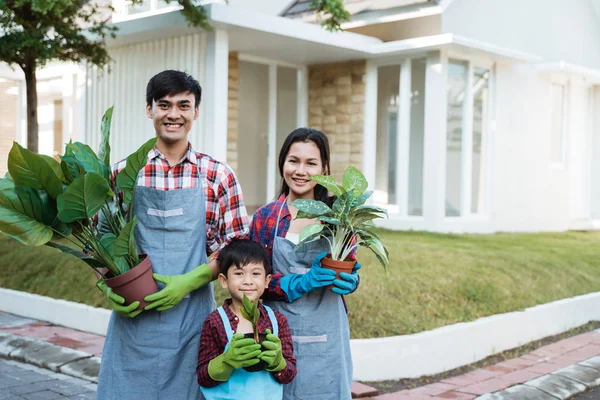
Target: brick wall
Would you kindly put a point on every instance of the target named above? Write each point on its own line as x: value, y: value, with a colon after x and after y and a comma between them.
x: 233, y: 111
x: 336, y: 106
x: 8, y: 123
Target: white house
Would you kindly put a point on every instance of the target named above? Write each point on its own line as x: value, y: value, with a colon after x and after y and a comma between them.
x: 465, y: 115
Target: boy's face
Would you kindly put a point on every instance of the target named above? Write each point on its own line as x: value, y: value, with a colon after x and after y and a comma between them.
x: 172, y: 116
x: 251, y: 280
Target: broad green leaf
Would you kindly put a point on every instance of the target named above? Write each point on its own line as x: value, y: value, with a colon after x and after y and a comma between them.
x: 71, y: 168
x: 329, y: 183
x: 7, y: 176
x: 379, y: 251
x: 87, y: 158
x: 55, y: 165
x: 108, y: 242
x: 311, y: 207
x: 107, y: 252
x: 104, y: 150
x: 310, y: 230
x: 84, y: 198
x: 341, y: 206
x: 125, y: 243
x: 329, y: 220
x: 18, y: 220
x: 357, y: 219
x: 372, y: 209
x: 127, y: 177
x: 30, y: 169
x: 354, y: 180
x: 89, y: 260
x: 36, y: 204
x: 362, y: 199
x: 6, y: 184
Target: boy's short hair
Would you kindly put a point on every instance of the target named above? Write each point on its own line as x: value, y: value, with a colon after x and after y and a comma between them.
x: 241, y: 252
x: 170, y: 83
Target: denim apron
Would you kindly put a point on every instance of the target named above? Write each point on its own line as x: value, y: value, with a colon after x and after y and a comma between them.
x: 154, y: 355
x: 319, y: 326
x: 242, y: 384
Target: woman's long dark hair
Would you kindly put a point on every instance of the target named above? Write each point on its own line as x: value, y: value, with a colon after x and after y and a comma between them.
x: 318, y: 138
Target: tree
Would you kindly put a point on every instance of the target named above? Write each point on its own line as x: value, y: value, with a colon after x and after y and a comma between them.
x: 34, y: 32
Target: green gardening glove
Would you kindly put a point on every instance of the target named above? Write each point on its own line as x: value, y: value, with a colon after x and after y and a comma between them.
x: 240, y: 353
x: 273, y: 356
x: 117, y: 302
x: 177, y: 287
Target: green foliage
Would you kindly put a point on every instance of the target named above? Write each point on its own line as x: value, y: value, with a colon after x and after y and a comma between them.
x: 251, y: 312
x: 127, y: 177
x: 331, y: 13
x: 348, y: 223
x: 48, y: 200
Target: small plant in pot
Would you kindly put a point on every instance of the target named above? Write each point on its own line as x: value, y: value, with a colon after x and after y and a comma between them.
x: 46, y: 202
x: 251, y: 312
x: 345, y: 225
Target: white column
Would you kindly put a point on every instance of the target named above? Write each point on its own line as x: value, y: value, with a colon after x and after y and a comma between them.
x: 370, y: 125
x: 302, y: 97
x: 69, y: 101
x: 22, y: 115
x: 272, y: 132
x: 215, y: 96
x: 82, y: 92
x: 434, y: 179
x: 466, y: 155
x: 403, y: 139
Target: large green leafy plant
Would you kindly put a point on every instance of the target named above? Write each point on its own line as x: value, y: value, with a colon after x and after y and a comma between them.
x: 46, y: 202
x: 348, y: 223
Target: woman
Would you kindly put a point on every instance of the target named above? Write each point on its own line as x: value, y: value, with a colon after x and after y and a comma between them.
x: 317, y: 315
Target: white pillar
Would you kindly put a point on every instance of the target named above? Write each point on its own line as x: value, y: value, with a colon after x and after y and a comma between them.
x: 22, y: 115
x: 302, y: 97
x: 272, y: 132
x: 370, y: 125
x: 215, y: 96
x: 403, y: 138
x: 79, y: 105
x: 466, y: 155
x: 434, y: 179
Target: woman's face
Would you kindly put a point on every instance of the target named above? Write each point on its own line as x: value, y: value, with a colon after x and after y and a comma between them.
x: 302, y: 161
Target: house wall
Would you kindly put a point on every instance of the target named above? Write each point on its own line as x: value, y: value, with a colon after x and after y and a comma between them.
x: 336, y: 106
x: 553, y: 29
x: 401, y: 30
x: 532, y: 192
x: 8, y: 120
x: 125, y: 88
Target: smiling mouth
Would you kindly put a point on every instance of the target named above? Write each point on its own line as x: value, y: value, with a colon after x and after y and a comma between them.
x: 297, y: 180
x: 173, y: 125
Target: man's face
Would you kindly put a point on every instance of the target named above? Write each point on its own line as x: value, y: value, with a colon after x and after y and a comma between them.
x: 172, y: 116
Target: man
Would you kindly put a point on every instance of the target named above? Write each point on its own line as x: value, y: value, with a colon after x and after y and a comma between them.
x: 188, y: 205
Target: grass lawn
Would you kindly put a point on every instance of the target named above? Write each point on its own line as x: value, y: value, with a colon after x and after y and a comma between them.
x: 433, y: 280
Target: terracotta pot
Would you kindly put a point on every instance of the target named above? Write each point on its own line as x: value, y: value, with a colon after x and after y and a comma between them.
x: 261, y: 364
x: 337, y: 266
x: 135, y: 284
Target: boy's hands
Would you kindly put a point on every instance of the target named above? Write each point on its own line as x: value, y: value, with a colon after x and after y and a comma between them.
x: 240, y: 353
x: 273, y: 356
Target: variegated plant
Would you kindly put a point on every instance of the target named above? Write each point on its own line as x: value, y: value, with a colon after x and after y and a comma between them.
x: 348, y: 223
x: 42, y: 200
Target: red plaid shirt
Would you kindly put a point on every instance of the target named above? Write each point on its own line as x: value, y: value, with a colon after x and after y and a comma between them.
x: 214, y: 339
x: 226, y: 215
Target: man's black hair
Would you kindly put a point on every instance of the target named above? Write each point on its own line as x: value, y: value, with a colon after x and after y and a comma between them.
x: 241, y: 252
x: 170, y: 83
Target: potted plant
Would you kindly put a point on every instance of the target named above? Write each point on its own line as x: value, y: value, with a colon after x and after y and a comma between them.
x: 251, y: 312
x: 345, y: 225
x: 44, y: 202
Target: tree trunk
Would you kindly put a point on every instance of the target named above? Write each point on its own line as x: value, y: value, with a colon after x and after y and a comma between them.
x: 32, y: 104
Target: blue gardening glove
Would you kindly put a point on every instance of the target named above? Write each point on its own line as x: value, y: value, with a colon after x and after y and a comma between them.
x: 297, y: 285
x: 347, y: 282
x: 177, y: 287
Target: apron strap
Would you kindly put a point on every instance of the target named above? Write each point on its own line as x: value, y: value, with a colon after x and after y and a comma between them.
x: 226, y: 323
x: 273, y: 319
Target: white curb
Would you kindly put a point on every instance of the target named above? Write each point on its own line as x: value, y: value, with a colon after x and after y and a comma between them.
x: 60, y: 312
x: 377, y: 359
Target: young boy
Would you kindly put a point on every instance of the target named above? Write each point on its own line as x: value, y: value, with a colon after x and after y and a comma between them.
x: 244, y: 269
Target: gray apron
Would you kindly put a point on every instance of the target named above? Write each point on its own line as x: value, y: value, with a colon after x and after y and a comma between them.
x: 154, y: 355
x: 319, y: 326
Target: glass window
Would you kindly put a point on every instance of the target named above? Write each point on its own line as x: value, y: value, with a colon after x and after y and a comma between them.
x: 138, y: 7
x: 481, y: 78
x: 417, y: 137
x: 387, y: 116
x: 457, y: 81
